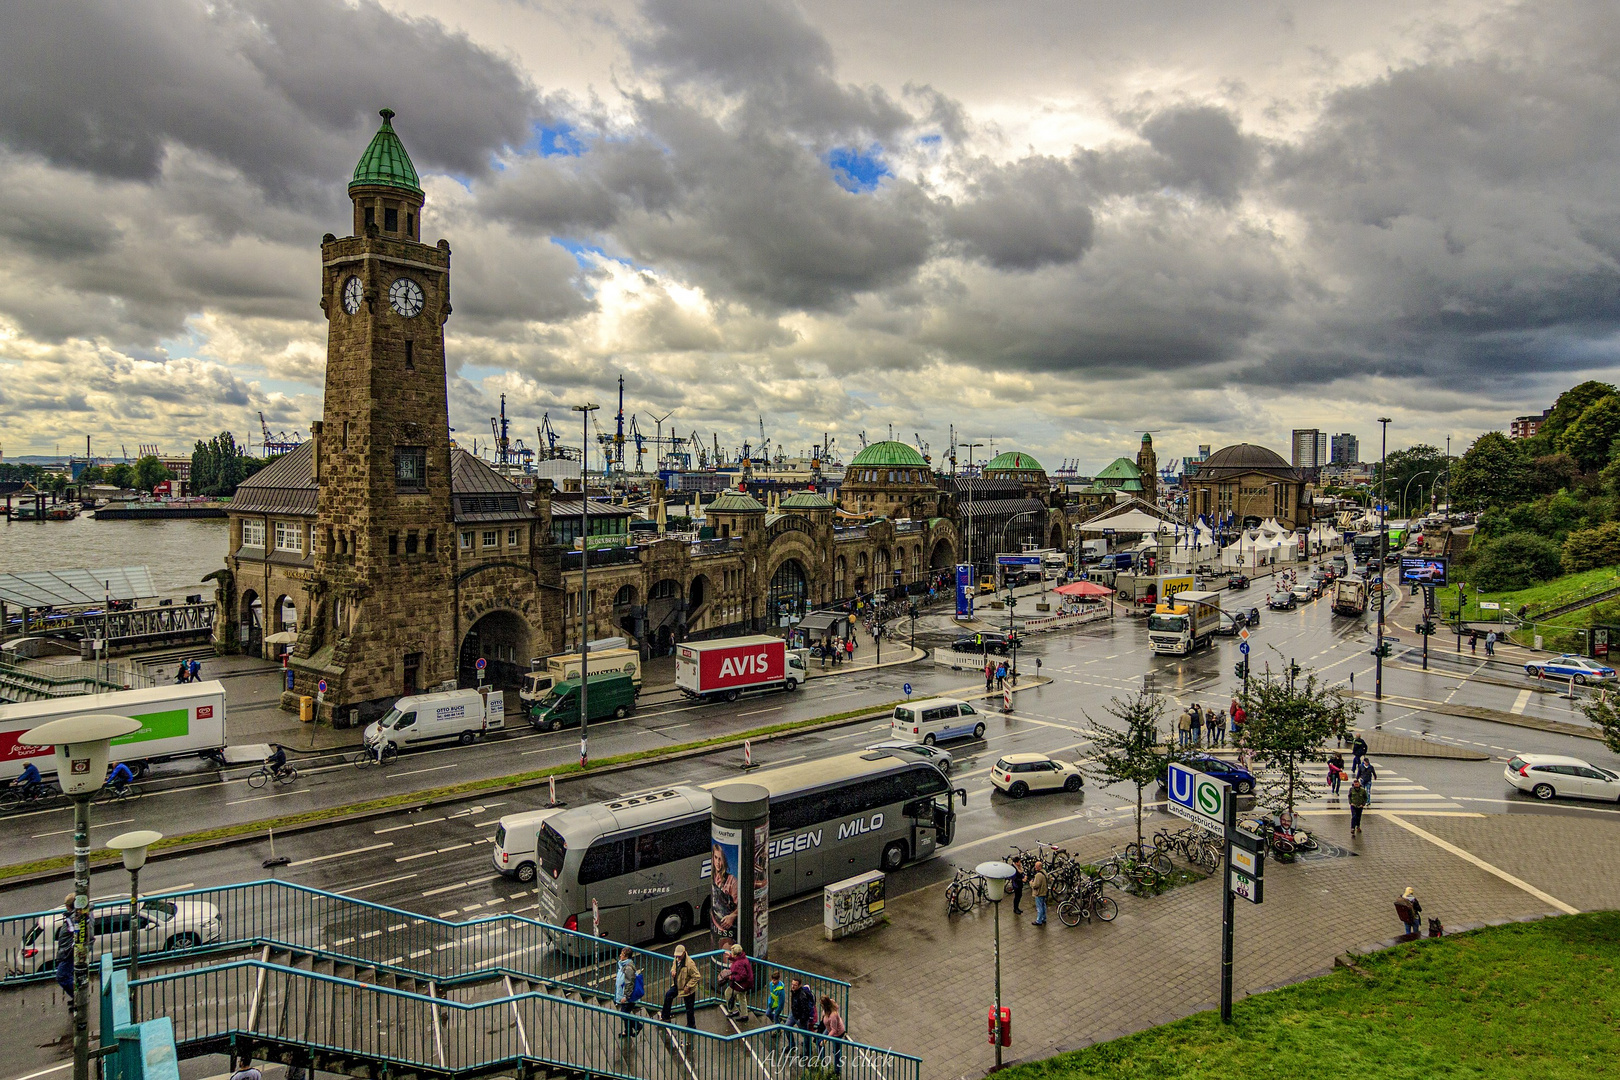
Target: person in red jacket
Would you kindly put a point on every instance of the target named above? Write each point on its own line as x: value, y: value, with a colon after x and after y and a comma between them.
x: 738, y: 979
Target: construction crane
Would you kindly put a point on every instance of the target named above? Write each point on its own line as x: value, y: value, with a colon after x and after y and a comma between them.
x: 605, y: 441
x: 922, y: 446
x: 279, y: 443
x: 618, y: 432
x: 718, y: 460
x: 862, y: 436
x: 547, y: 441
x: 641, y: 442
x: 764, y: 443
x: 499, y: 428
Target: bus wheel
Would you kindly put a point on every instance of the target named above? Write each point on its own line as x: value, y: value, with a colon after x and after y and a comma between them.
x: 525, y: 872
x: 671, y: 923
x: 894, y: 856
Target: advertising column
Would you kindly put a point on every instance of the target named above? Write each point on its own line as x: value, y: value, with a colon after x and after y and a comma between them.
x: 740, y: 875
x: 964, y: 591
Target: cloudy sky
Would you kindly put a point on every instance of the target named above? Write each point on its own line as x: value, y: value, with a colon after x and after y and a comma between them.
x: 1051, y: 224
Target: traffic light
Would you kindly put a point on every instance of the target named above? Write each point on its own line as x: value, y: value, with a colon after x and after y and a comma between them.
x: 1382, y: 650
x: 1241, y: 669
x: 1293, y: 669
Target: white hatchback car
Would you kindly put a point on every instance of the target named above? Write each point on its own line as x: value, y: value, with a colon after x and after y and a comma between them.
x: 929, y: 752
x: 164, y: 924
x: 1020, y: 774
x: 1548, y: 775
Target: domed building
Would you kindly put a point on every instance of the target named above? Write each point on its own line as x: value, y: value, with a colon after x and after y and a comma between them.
x: 889, y: 479
x: 1246, y: 484
x: 1019, y: 466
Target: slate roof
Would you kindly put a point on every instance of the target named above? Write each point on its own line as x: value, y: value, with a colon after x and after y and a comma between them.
x: 385, y: 160
x: 281, y: 487
x: 284, y: 487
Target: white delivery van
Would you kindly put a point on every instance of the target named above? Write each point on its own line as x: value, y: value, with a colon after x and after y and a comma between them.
x: 462, y: 715
x: 936, y: 719
x: 517, y: 842
x: 555, y: 669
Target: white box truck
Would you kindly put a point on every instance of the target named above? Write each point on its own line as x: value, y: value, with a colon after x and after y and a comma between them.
x: 183, y: 720
x: 1186, y: 622
x: 565, y: 666
x: 730, y: 667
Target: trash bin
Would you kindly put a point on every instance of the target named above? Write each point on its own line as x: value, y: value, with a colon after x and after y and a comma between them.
x: 306, y: 709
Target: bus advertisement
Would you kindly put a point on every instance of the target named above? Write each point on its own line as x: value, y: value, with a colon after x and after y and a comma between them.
x: 653, y: 865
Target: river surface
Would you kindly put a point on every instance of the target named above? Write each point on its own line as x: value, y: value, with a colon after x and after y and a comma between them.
x: 177, y: 552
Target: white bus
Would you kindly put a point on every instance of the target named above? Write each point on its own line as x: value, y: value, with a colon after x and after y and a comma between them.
x: 645, y: 860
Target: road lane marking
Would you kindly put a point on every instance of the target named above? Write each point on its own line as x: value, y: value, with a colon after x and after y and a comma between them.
x: 341, y: 854
x: 1520, y: 702
x: 261, y: 798
x: 418, y: 772
x: 460, y: 885
x: 93, y: 825
x: 410, y: 825
x: 761, y: 712
x: 1468, y: 856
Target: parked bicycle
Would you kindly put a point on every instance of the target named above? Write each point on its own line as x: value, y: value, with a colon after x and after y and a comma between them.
x: 261, y: 776
x: 966, y: 889
x: 1088, y: 902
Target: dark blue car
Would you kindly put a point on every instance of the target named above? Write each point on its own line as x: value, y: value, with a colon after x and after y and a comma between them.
x: 1241, y: 779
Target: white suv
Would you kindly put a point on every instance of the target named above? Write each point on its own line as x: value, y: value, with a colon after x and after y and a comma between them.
x: 1548, y: 775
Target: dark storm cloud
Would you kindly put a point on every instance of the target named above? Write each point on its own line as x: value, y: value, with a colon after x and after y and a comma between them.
x: 1202, y: 150
x: 279, y: 90
x: 1028, y: 214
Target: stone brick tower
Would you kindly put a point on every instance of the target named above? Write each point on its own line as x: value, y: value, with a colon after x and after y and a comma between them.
x: 1147, y: 463
x: 383, y: 545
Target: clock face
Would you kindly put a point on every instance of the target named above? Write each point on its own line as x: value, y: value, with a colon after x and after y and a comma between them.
x: 354, y: 294
x: 405, y: 297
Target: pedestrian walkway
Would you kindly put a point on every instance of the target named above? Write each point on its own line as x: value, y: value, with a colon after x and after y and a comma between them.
x: 1391, y: 792
x: 924, y: 980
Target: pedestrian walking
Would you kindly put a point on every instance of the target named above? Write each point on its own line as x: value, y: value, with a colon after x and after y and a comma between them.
x: 1358, y: 750
x: 989, y: 676
x: 245, y: 1069
x: 1358, y: 803
x: 832, y: 1024
x: 1037, y: 886
x: 1367, y: 774
x: 1017, y: 885
x: 738, y: 979
x: 1184, y: 727
x: 1335, y: 775
x: 1212, y: 724
x: 1490, y: 643
x: 684, y: 979
x: 195, y: 670
x: 1410, y: 911
x: 624, y: 993
x: 1001, y: 675
x: 802, y: 1010
x: 180, y: 673
x: 776, y: 995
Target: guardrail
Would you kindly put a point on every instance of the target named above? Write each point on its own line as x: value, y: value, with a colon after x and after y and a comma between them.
x: 134, y: 1051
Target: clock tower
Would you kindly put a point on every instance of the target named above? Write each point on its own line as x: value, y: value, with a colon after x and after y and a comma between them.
x: 382, y: 547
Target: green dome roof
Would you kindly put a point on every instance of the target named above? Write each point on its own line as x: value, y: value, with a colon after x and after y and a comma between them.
x: 805, y: 500
x: 385, y: 161
x: 1013, y: 459
x: 735, y: 502
x: 890, y: 452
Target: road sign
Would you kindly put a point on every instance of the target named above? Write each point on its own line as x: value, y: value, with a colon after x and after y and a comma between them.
x: 1244, y: 887
x: 1200, y: 799
x: 1489, y: 605
x: 907, y: 689
x: 1243, y: 647
x: 481, y: 664
x: 1244, y: 633
x: 320, y: 687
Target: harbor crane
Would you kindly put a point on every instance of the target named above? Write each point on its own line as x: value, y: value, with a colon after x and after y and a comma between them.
x: 501, y: 430
x: 279, y: 443
x: 923, y: 447
x: 641, y: 441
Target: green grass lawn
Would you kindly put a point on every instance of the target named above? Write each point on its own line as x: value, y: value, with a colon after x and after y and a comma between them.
x: 1516, y: 1002
x: 1537, y: 598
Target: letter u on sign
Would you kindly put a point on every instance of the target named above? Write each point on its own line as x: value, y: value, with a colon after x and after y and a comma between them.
x: 1181, y: 786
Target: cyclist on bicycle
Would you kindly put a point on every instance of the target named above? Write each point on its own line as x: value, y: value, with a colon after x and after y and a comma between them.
x: 120, y: 777
x: 276, y: 763
x: 28, y: 780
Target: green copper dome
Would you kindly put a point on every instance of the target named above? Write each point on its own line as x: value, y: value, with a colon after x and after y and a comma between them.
x: 1013, y: 459
x: 735, y: 502
x: 385, y: 161
x: 890, y: 452
x: 805, y: 500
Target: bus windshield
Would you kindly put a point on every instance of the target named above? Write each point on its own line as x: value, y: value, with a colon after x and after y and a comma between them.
x: 1167, y: 624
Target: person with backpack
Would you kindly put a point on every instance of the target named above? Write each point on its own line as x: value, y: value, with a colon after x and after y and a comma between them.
x: 684, y: 980
x: 628, y: 988
x: 1366, y: 774
x: 67, y: 931
x: 1410, y: 911
x: 802, y: 1011
x: 775, y: 1000
x: 1358, y: 803
x: 738, y: 979
x: 194, y: 669
x: 1358, y: 750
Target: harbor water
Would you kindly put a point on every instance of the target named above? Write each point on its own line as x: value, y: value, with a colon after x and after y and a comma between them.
x: 177, y: 552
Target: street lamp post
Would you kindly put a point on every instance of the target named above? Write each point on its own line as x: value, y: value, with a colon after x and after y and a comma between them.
x: 133, y: 846
x: 82, y: 746
x: 1408, y: 487
x: 1383, y: 550
x: 970, y: 446
x: 996, y: 876
x: 584, y: 411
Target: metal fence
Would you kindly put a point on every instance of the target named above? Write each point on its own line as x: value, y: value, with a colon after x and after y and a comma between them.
x: 326, y: 1018
x: 311, y: 922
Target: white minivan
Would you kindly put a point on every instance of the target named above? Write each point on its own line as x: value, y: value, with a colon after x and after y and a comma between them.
x: 936, y: 719
x: 517, y: 842
x: 462, y: 715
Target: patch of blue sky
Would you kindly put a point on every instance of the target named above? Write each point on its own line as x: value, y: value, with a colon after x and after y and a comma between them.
x: 558, y: 140
x: 856, y: 170
x: 931, y: 141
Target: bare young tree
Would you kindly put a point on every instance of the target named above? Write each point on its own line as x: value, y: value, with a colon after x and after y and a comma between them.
x: 1290, y: 719
x: 1131, y: 753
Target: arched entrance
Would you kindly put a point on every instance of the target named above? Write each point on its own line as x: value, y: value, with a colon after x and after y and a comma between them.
x: 1056, y: 539
x: 502, y: 639
x: 666, y: 616
x: 286, y: 615
x: 790, y: 591
x: 942, y: 557
x: 250, y: 631
x: 627, y: 614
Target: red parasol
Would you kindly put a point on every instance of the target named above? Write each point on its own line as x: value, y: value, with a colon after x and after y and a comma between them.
x: 1083, y: 588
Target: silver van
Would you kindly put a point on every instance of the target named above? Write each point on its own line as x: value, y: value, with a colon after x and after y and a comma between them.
x: 936, y: 719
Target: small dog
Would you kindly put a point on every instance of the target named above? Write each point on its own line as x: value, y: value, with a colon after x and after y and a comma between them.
x: 1435, y: 929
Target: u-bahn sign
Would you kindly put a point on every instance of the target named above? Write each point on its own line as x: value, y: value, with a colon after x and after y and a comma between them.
x: 1200, y: 799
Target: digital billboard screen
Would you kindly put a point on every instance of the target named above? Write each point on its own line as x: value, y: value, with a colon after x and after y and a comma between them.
x: 1423, y: 570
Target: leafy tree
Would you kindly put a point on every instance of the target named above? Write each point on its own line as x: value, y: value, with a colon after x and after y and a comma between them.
x: 150, y: 472
x: 1589, y: 437
x: 1606, y: 715
x: 1132, y: 754
x: 220, y: 464
x: 1552, y: 473
x: 1515, y: 561
x: 1588, y: 549
x: 1289, y: 723
x: 1565, y: 411
x: 92, y: 474
x: 121, y: 475
x: 1406, y: 472
x: 1493, y: 472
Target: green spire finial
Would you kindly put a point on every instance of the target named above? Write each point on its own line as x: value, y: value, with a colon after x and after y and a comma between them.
x: 385, y: 161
